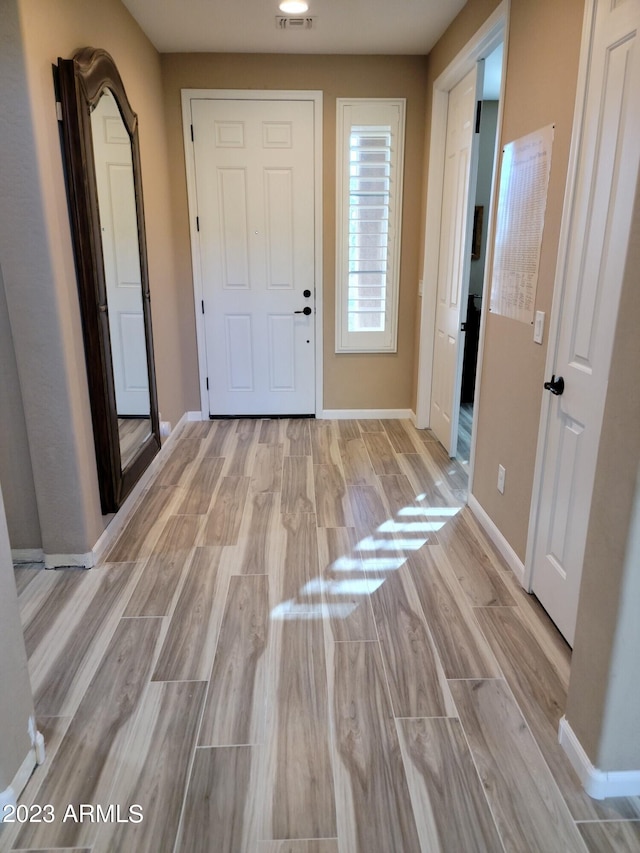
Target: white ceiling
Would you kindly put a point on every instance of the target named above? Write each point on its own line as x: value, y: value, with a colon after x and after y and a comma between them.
x: 340, y: 26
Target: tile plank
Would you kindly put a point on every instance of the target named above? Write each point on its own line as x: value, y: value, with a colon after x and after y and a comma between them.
x: 433, y: 491
x: 162, y: 741
x: 158, y: 583
x: 271, y: 431
x: 298, y: 781
x: 292, y: 592
x: 463, y: 650
x: 173, y: 471
x: 266, y: 475
x: 370, y: 425
x: 179, y: 535
x: 358, y: 470
x: 417, y: 683
x: 233, y: 713
x: 449, y: 803
x: 539, y: 683
x: 189, y: 645
x: 611, y: 837
x: 473, y: 564
x: 399, y: 436
x: 216, y: 802
x: 381, y: 453
x: 140, y: 534
x: 526, y: 803
x: 220, y: 437
x: 311, y: 845
x: 367, y: 509
x: 332, y: 505
x: 374, y: 805
x: 66, y: 660
x: 298, y: 439
x: 239, y: 457
x: 324, y: 446
x: 346, y: 601
x: 84, y: 767
x: 201, y: 486
x: 225, y: 514
x: 348, y: 428
x: 260, y: 537
x: 297, y: 485
x: 196, y: 429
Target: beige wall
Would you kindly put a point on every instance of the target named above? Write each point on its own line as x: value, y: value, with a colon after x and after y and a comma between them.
x: 350, y: 381
x: 604, y: 692
x: 543, y: 48
x: 38, y: 263
x: 16, y: 703
x: 15, y: 462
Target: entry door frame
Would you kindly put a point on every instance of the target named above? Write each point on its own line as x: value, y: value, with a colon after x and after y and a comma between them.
x: 315, y: 97
x: 489, y: 36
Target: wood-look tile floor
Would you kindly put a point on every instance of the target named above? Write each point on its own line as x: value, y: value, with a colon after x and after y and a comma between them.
x: 303, y: 643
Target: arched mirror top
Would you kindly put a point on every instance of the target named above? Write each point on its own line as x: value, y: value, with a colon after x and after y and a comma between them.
x: 96, y: 71
x: 100, y: 140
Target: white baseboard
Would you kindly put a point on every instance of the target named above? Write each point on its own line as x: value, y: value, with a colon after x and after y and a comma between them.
x: 60, y: 561
x: 599, y: 784
x: 9, y: 797
x: 27, y: 555
x: 365, y: 414
x: 191, y: 416
x: 513, y: 561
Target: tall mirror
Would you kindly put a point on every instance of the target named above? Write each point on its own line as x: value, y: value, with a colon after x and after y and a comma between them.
x: 100, y: 140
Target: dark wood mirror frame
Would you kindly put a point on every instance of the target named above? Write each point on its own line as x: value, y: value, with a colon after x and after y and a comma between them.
x: 81, y: 82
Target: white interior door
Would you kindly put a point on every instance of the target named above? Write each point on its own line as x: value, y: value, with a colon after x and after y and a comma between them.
x: 121, y: 256
x: 590, y: 274
x: 254, y: 176
x: 461, y: 161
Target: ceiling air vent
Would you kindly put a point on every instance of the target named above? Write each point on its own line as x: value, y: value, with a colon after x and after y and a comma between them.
x: 290, y: 23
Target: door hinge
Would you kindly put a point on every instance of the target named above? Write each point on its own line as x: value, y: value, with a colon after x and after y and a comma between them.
x: 478, y: 115
x: 207, y: 383
x: 58, y: 110
x: 197, y: 223
x: 202, y: 303
x: 192, y: 133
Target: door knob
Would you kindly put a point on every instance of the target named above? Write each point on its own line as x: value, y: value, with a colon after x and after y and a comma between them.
x: 306, y: 311
x: 556, y: 385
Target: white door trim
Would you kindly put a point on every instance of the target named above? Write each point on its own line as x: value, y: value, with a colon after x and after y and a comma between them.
x: 491, y: 33
x: 558, y: 284
x: 189, y: 156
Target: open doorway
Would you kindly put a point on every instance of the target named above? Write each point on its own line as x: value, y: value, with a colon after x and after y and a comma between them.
x: 475, y: 289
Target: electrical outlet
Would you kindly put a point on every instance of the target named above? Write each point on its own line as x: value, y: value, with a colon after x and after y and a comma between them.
x: 538, y: 329
x: 501, y: 475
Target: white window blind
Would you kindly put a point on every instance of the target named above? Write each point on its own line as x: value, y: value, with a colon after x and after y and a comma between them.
x: 370, y: 157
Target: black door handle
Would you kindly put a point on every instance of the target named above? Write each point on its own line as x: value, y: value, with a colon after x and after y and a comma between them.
x: 556, y: 385
x: 306, y: 311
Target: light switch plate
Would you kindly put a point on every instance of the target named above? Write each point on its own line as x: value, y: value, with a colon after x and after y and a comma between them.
x: 538, y: 328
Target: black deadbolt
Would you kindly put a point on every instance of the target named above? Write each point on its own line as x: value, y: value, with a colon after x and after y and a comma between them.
x: 306, y: 293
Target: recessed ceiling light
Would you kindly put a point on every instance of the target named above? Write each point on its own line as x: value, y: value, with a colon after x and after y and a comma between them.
x: 294, y: 7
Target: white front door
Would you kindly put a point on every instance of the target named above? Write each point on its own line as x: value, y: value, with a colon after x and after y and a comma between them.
x: 598, y: 214
x: 460, y: 172
x: 254, y: 179
x: 121, y: 257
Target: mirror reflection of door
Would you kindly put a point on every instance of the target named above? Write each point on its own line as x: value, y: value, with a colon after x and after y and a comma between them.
x: 121, y: 256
